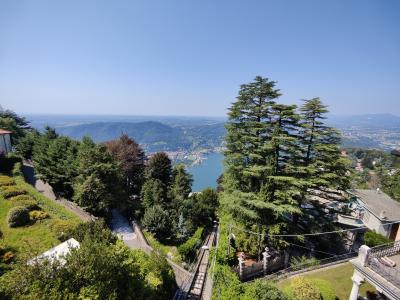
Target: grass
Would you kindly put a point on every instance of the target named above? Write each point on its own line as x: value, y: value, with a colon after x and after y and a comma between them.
x: 340, y: 278
x: 163, y: 249
x: 30, y: 240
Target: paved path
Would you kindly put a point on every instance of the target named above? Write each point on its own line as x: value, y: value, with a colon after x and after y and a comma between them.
x: 121, y: 227
x: 47, y: 191
x: 134, y: 239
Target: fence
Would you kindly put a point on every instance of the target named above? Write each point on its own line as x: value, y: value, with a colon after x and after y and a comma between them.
x: 374, y: 262
x: 298, y: 269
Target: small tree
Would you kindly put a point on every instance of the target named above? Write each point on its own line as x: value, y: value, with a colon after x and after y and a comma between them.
x: 157, y: 221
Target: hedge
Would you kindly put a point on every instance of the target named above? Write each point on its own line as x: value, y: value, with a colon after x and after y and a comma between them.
x: 25, y: 200
x: 18, y: 216
x: 6, y: 181
x: 188, y: 249
x: 11, y: 191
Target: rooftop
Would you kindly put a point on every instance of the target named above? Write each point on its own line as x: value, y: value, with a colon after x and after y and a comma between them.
x: 57, y: 253
x: 377, y: 202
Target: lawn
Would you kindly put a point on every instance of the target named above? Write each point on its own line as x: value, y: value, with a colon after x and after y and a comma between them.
x: 339, y: 277
x: 30, y: 240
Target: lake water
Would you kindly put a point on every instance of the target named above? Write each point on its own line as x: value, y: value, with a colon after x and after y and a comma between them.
x: 206, y: 174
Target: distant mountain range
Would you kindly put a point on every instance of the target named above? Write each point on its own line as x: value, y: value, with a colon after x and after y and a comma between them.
x: 157, y: 133
x: 153, y: 136
x: 368, y: 121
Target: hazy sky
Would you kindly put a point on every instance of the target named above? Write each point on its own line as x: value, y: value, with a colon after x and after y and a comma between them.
x: 189, y: 57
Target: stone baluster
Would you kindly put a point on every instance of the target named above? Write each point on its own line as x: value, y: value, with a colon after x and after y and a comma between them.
x: 266, y: 257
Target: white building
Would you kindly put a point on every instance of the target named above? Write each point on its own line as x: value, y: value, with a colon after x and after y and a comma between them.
x: 378, y: 212
x: 57, y: 253
x: 5, y: 141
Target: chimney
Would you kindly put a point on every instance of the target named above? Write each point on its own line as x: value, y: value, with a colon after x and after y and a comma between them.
x: 382, y: 215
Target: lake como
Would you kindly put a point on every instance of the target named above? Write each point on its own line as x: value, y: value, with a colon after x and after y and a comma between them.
x: 206, y: 174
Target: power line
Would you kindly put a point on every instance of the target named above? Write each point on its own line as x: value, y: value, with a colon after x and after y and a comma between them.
x: 327, y: 253
x: 307, y: 234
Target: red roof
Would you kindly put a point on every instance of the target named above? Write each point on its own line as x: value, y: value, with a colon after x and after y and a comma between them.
x: 3, y: 131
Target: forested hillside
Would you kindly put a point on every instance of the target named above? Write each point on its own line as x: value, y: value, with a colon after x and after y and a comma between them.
x: 152, y: 136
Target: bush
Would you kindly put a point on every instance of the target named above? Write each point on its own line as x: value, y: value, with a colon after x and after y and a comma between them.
x: 6, y: 181
x: 96, y: 230
x: 38, y: 215
x: 302, y: 262
x: 157, y: 221
x: 325, y: 288
x: 18, y: 216
x: 304, y: 289
x: 7, y: 257
x: 25, y: 200
x: 262, y: 290
x: 188, y: 249
x: 17, y: 170
x: 61, y: 228
x: 11, y: 191
x: 373, y: 239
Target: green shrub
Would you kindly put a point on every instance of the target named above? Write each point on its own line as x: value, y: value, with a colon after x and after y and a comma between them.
x: 11, y: 191
x: 373, y: 239
x: 61, y: 228
x: 38, y: 215
x: 7, y: 257
x: 6, y: 181
x: 302, y: 262
x: 17, y: 170
x: 262, y: 290
x: 325, y: 288
x: 18, y: 216
x: 303, y: 289
x: 25, y: 200
x: 188, y: 249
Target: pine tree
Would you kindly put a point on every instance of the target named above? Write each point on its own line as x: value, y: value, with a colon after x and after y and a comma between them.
x: 259, y: 184
x: 98, y: 185
x: 325, y: 166
x: 159, y: 167
x: 54, y: 159
x: 154, y: 192
x: 248, y: 131
x: 181, y: 185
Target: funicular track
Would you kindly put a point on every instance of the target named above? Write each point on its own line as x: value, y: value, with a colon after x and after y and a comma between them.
x: 196, y: 288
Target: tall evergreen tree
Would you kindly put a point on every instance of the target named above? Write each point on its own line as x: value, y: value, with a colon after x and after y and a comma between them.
x: 181, y: 184
x: 154, y: 192
x: 54, y: 160
x: 257, y: 182
x: 159, y: 167
x: 11, y: 121
x: 325, y: 166
x: 98, y: 185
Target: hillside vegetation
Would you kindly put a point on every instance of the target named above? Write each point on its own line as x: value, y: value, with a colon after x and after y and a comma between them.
x: 46, y: 222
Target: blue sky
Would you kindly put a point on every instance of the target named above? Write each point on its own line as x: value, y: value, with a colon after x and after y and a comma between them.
x: 189, y: 57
